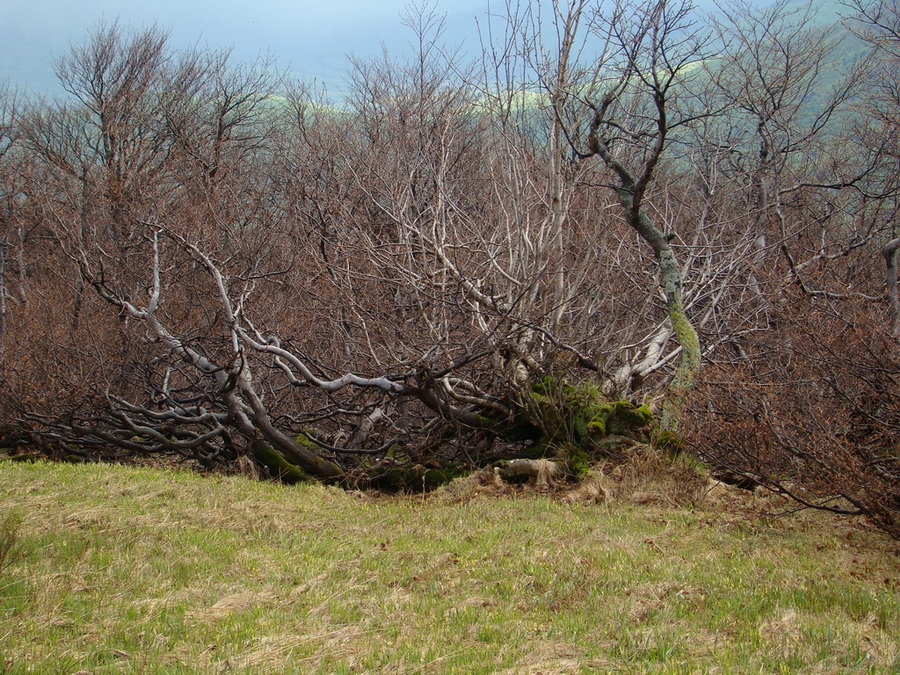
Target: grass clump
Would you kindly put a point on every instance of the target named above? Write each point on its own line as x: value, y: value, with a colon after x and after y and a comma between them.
x: 10, y: 532
x: 135, y: 570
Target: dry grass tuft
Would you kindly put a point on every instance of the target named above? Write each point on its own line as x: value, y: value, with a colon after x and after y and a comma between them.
x: 590, y: 491
x: 646, y: 476
x: 544, y: 657
x: 235, y: 603
x: 486, y: 482
x: 783, y: 632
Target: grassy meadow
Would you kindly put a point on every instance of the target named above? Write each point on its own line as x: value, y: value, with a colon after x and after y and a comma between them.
x: 107, y: 569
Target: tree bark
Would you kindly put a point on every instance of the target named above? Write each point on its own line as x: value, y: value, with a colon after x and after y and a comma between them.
x: 682, y: 328
x: 890, y: 257
x: 630, y: 193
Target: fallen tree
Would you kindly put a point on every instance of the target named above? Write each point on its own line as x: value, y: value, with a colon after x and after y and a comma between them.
x: 214, y: 407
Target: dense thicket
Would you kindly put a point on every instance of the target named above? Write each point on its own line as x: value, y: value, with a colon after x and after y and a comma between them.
x: 614, y: 206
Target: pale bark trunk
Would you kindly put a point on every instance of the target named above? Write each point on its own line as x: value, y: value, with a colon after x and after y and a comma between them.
x: 890, y: 257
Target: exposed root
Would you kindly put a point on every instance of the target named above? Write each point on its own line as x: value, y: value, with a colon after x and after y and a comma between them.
x: 541, y: 473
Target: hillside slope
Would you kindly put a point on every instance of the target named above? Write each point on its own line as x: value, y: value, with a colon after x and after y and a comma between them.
x: 137, y: 570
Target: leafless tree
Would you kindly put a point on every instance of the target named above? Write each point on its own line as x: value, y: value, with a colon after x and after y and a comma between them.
x: 809, y: 408
x: 878, y: 24
x: 629, y: 97
x: 8, y: 193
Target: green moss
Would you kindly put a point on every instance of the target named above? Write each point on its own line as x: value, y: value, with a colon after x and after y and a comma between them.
x: 548, y: 411
x: 640, y: 416
x: 303, y: 439
x: 570, y: 422
x: 619, y: 417
x: 546, y: 385
x: 688, y: 367
x: 279, y: 466
x: 578, y: 461
x: 597, y: 425
x: 669, y: 441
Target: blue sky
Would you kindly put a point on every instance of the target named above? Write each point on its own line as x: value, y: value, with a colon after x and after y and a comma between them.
x: 310, y: 38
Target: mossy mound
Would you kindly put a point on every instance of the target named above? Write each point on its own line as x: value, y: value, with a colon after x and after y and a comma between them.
x: 577, y: 425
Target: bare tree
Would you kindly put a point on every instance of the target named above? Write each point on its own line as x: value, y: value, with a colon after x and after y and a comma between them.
x: 784, y: 79
x: 236, y: 331
x: 115, y: 78
x: 809, y: 408
x: 631, y: 96
x: 8, y: 192
x: 878, y: 24
x: 466, y: 263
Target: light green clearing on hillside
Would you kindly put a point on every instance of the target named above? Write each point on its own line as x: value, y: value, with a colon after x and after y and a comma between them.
x: 124, y: 570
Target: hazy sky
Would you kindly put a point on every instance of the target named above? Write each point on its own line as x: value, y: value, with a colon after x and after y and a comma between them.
x: 310, y: 37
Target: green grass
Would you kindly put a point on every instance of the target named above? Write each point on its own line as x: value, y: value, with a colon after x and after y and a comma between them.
x: 137, y: 570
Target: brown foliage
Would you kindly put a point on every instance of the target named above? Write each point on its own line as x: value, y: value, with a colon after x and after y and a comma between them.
x: 814, y: 411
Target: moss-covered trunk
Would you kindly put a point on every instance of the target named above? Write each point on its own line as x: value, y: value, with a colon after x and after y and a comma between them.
x: 278, y: 465
x: 671, y: 280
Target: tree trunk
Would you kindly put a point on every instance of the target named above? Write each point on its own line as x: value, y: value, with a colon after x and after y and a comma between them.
x: 682, y: 328
x: 890, y: 257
